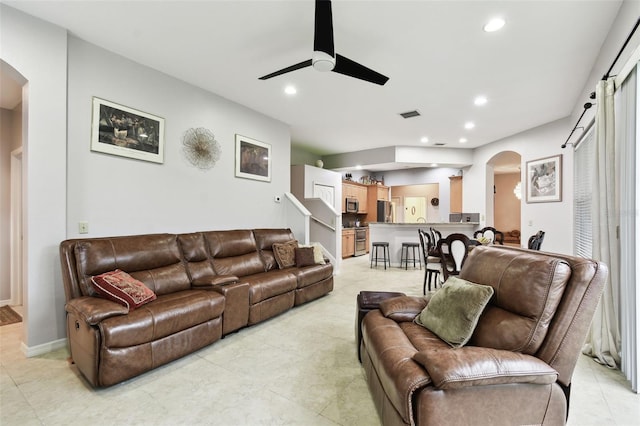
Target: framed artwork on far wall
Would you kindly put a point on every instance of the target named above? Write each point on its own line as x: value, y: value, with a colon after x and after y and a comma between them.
x: 127, y: 132
x: 253, y: 159
x: 544, y: 180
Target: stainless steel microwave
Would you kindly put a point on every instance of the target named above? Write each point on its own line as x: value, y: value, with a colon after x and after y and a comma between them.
x: 351, y: 205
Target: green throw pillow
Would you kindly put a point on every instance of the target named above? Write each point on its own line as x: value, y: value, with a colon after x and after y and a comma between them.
x: 453, y: 311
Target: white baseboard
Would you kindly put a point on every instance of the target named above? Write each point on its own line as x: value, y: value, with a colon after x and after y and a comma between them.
x: 5, y: 302
x: 31, y: 351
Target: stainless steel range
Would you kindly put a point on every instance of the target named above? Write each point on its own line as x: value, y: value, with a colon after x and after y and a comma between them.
x: 360, y: 242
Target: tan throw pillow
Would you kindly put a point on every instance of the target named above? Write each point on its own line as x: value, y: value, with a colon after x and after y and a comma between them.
x: 304, y: 257
x: 285, y: 253
x: 453, y: 311
x: 120, y: 287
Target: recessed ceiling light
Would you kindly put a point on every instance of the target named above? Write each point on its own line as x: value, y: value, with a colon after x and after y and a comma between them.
x: 434, y: 164
x: 480, y: 100
x: 358, y: 167
x: 463, y: 140
x: 494, y: 25
x: 469, y: 125
x: 424, y: 139
x: 290, y: 90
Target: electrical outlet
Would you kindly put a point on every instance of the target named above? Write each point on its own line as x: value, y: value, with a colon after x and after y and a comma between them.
x: 530, y: 223
x: 83, y: 227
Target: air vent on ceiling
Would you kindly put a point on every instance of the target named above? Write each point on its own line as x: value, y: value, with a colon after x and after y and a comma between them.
x: 410, y: 114
x: 439, y: 144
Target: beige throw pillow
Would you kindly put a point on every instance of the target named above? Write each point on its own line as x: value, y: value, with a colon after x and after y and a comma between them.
x: 453, y: 311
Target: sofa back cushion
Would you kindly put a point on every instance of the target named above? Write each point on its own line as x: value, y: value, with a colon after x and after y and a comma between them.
x: 196, y: 256
x: 527, y: 291
x: 234, y: 252
x: 153, y: 259
x: 265, y: 238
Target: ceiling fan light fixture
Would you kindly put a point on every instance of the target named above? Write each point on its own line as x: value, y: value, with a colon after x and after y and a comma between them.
x: 322, y: 61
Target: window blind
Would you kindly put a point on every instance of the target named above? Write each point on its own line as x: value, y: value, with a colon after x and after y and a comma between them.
x: 583, y: 164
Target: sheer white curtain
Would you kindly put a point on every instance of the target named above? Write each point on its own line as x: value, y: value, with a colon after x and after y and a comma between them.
x: 603, y: 342
x: 626, y: 100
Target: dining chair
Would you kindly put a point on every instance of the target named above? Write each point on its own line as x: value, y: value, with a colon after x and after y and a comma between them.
x: 435, y: 237
x: 535, y: 241
x: 432, y: 263
x: 453, y: 252
x: 492, y: 234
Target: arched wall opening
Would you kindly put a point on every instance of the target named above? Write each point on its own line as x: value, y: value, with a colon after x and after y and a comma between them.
x: 504, y: 195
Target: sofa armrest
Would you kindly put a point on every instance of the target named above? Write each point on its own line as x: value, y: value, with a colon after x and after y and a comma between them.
x: 94, y: 309
x: 209, y: 283
x: 403, y: 308
x: 476, y: 366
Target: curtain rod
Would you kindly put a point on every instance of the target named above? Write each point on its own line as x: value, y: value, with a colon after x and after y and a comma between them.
x: 604, y: 77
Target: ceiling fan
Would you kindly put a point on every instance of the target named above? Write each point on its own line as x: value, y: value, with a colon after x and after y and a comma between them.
x: 325, y: 58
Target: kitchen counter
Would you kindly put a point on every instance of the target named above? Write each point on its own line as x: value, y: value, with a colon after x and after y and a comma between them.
x: 397, y: 233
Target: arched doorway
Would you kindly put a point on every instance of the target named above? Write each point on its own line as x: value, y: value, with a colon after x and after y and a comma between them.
x: 506, y: 200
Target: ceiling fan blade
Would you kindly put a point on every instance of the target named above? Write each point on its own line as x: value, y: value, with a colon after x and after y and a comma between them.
x: 323, y: 35
x: 304, y: 64
x: 350, y: 68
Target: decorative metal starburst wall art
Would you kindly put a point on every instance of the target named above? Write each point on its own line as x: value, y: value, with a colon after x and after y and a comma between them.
x: 201, y: 148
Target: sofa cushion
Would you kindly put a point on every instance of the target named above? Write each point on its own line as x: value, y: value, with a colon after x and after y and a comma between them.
x: 304, y: 257
x: 164, y: 316
x: 234, y: 252
x: 311, y: 274
x: 265, y: 239
x: 270, y: 284
x: 195, y: 252
x: 285, y: 254
x: 154, y: 259
x: 528, y: 288
x: 474, y: 366
x: 122, y: 288
x: 453, y: 311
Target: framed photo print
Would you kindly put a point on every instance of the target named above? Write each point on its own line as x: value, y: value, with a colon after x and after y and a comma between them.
x: 127, y: 132
x: 253, y: 159
x: 544, y: 180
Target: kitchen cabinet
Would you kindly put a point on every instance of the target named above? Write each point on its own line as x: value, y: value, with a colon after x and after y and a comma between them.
x: 368, y: 241
x: 455, y: 191
x: 357, y: 191
x: 348, y: 242
x: 375, y: 193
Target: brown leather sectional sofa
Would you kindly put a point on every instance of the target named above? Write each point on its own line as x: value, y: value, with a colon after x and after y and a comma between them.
x: 517, y: 367
x: 208, y: 284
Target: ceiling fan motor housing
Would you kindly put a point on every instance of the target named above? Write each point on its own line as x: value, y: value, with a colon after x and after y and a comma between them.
x: 322, y: 61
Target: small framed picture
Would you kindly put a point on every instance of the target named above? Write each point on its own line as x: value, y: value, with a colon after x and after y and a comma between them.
x: 544, y: 180
x: 253, y: 159
x: 127, y: 132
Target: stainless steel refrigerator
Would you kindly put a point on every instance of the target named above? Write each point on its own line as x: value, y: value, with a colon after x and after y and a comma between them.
x: 384, y: 211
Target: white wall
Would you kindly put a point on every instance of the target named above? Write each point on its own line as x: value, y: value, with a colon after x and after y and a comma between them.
x: 38, y: 51
x: 117, y: 195
x: 553, y: 218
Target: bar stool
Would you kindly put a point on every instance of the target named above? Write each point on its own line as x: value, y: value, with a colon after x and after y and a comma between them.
x: 404, y: 254
x: 385, y: 253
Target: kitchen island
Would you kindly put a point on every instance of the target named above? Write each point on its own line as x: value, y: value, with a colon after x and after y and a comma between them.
x: 397, y: 233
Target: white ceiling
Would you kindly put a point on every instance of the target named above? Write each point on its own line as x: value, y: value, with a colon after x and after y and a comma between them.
x: 436, y: 54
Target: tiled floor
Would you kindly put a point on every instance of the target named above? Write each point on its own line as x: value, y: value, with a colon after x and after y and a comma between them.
x: 299, y: 368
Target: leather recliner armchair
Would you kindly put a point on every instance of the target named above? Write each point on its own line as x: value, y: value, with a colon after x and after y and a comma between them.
x: 516, y: 369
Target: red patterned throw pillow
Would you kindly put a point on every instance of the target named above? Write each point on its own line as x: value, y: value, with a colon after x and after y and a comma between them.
x: 120, y: 287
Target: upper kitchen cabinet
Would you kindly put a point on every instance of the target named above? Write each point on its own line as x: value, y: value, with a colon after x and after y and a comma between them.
x: 357, y: 191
